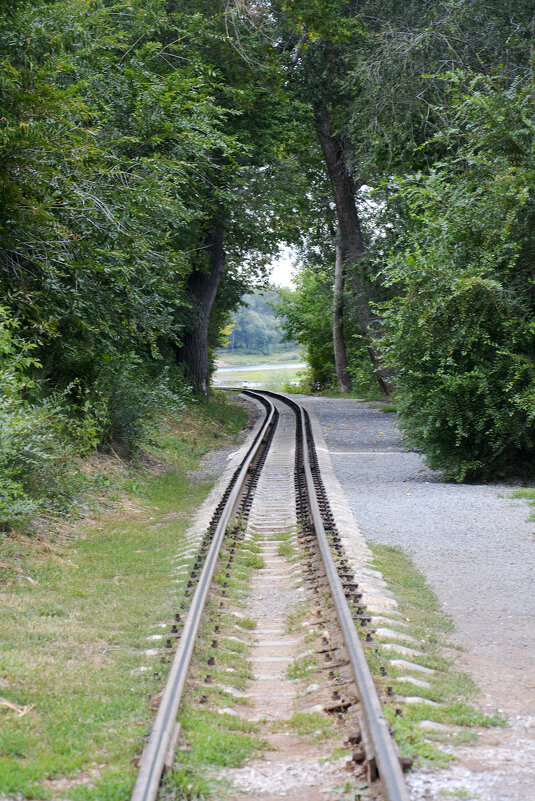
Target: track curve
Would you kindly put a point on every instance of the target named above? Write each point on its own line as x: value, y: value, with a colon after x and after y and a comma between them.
x: 317, y: 524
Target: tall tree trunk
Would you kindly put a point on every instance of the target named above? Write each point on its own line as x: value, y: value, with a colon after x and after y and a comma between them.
x: 343, y: 378
x: 350, y: 236
x: 202, y: 286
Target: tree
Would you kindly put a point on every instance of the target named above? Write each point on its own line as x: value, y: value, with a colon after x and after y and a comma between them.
x: 101, y: 182
x: 305, y: 321
x: 320, y: 42
x: 305, y: 315
x: 130, y: 142
x: 256, y: 325
x: 343, y: 378
x: 460, y: 330
x: 252, y: 192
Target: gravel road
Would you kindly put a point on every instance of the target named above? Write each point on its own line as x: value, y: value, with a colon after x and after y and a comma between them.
x: 476, y: 548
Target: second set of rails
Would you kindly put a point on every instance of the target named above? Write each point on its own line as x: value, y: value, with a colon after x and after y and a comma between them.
x: 317, y: 529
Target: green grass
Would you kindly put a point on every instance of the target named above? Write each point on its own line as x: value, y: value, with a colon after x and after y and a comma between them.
x: 229, y: 358
x: 450, y: 688
x: 458, y: 792
x: 529, y: 494
x: 358, y: 393
x: 72, y: 640
x: 212, y: 738
x: 310, y: 726
x: 218, y: 739
x: 246, y: 623
x: 254, y: 560
x: 260, y: 379
x: 303, y: 385
x: 351, y: 791
x: 525, y: 492
x: 184, y: 785
x: 296, y: 615
x: 286, y: 550
x: 302, y: 667
x: 387, y: 408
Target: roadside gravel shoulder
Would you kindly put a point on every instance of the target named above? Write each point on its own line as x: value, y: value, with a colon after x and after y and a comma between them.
x: 476, y: 548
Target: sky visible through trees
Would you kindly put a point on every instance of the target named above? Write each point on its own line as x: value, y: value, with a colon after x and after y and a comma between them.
x: 283, y: 270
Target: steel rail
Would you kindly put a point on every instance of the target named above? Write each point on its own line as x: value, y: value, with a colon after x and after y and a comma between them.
x: 164, y: 731
x: 377, y: 728
x: 378, y: 732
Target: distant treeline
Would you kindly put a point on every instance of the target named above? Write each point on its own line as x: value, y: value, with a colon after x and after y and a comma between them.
x: 256, y: 326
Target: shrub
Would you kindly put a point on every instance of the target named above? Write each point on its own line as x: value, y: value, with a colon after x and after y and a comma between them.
x: 307, y: 319
x: 126, y: 399
x: 43, y: 435
x: 466, y: 388
x: 35, y: 447
x: 461, y: 334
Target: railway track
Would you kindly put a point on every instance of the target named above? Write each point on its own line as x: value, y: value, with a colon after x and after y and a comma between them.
x: 278, y: 489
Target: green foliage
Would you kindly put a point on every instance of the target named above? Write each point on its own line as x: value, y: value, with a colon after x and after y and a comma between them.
x: 125, y: 129
x: 461, y: 332
x: 36, y: 456
x: 306, y: 312
x: 306, y: 322
x: 35, y: 451
x: 126, y: 399
x: 256, y: 326
x: 106, y: 147
x: 450, y: 237
x: 43, y: 434
x: 307, y: 319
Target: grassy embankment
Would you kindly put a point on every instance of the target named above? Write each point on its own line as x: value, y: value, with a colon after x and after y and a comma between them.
x: 270, y: 378
x: 288, y: 379
x: 238, y: 358
x: 449, y: 690
x: 529, y: 494
x: 77, y: 686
